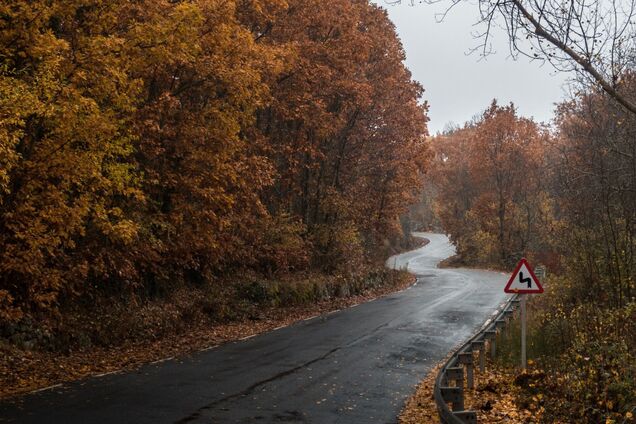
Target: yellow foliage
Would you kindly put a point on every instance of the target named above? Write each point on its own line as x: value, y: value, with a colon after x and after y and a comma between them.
x: 150, y: 142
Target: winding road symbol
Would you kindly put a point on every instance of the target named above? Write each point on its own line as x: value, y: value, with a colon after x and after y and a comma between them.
x: 525, y: 280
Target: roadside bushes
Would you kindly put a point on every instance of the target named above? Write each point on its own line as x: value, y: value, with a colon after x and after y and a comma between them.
x: 584, y: 352
x: 114, y: 323
x: 316, y: 288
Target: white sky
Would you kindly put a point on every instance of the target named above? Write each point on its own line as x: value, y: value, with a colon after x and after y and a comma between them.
x: 458, y: 85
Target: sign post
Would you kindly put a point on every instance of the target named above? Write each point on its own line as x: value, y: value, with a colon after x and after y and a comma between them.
x: 524, y: 360
x: 522, y: 282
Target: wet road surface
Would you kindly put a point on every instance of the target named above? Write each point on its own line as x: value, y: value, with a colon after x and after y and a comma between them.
x: 357, y: 365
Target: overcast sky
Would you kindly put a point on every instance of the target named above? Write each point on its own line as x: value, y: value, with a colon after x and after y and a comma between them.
x: 458, y: 85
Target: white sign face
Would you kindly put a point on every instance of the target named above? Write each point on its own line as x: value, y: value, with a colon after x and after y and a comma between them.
x: 523, y: 280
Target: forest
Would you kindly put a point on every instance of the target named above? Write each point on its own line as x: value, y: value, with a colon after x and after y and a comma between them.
x: 152, y: 147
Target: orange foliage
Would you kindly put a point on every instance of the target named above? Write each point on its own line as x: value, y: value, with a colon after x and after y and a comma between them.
x: 146, y: 144
x: 491, y: 195
x: 345, y: 127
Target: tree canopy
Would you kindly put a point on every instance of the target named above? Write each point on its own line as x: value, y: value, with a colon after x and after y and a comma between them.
x: 150, y: 144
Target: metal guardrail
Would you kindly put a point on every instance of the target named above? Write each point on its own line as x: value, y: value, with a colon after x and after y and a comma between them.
x: 461, y: 364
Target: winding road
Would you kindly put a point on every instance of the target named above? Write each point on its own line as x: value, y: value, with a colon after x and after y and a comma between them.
x: 357, y: 365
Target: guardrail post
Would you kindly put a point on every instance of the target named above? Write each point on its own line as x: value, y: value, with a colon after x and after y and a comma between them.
x: 455, y: 374
x: 455, y: 396
x: 468, y: 417
x: 500, y: 324
x: 466, y: 359
x: 515, y: 303
x: 491, y: 335
x: 479, y: 345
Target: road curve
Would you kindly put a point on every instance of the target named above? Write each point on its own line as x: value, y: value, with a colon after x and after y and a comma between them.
x: 353, y: 366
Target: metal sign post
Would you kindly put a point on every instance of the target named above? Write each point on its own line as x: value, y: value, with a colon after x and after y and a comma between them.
x: 524, y: 361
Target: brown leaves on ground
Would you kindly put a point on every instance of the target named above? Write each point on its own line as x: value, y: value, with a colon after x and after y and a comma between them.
x: 495, y: 398
x: 420, y: 408
x: 22, y: 371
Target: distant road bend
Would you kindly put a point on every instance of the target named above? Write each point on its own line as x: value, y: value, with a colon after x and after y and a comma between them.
x: 354, y: 366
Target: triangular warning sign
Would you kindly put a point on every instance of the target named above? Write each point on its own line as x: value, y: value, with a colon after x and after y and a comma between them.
x: 523, y: 280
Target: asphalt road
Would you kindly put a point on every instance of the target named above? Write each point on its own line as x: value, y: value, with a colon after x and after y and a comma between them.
x: 357, y: 365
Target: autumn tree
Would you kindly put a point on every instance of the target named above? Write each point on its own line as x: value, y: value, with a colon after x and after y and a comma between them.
x: 493, y: 199
x: 566, y: 198
x: 345, y: 125
x: 203, y: 82
x: 66, y: 147
x: 595, y: 154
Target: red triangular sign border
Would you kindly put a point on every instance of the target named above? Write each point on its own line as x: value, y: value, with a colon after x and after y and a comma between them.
x: 523, y: 261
